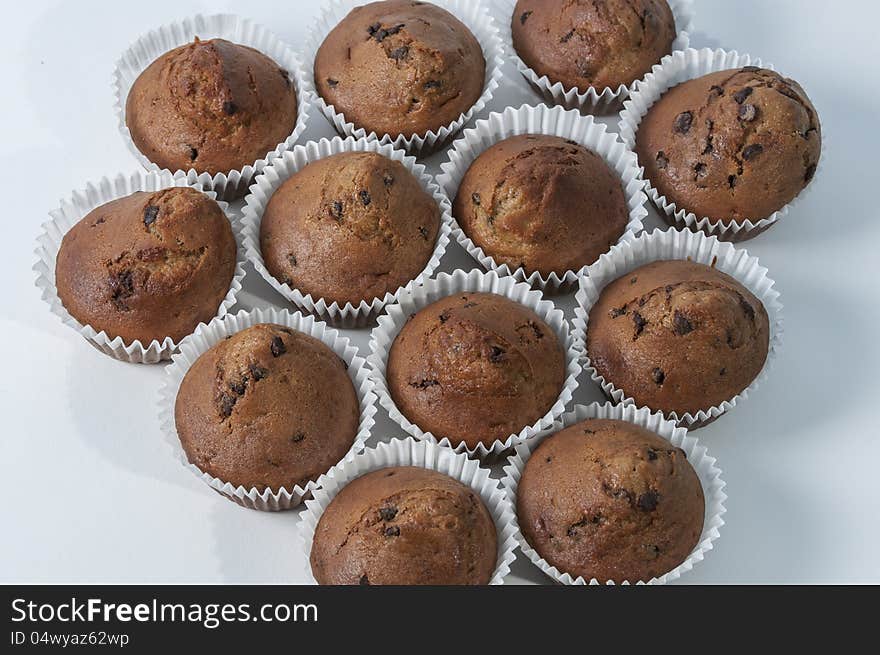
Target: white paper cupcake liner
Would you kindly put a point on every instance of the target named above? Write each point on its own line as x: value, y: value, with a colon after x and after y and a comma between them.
x: 470, y: 12
x: 292, y: 161
x: 676, y: 244
x: 408, y: 452
x: 207, y: 336
x: 591, y: 100
x: 697, y: 455
x: 673, y: 70
x: 70, y: 212
x: 554, y: 121
x: 155, y: 43
x: 446, y: 284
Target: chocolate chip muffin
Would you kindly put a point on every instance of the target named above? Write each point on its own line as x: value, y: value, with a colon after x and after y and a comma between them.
x: 351, y: 227
x: 678, y: 336
x: 475, y: 367
x: 541, y: 203
x: 586, y: 44
x: 732, y: 145
x: 268, y: 407
x: 214, y: 106
x: 610, y: 500
x: 400, y: 67
x: 405, y: 526
x: 147, y: 266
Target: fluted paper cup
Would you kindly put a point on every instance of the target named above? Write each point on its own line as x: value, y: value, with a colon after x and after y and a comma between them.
x: 475, y: 17
x: 71, y: 211
x: 475, y: 281
x: 697, y: 455
x: 423, y: 454
x: 673, y: 70
x: 293, y: 161
x: 674, y: 244
x: 206, y: 336
x: 553, y: 121
x: 591, y: 100
x: 232, y: 184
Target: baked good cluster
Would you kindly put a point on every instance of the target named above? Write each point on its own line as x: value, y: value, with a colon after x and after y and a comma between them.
x: 275, y: 408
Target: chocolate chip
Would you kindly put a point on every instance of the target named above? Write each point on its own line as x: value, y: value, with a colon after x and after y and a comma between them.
x: 392, y: 531
x: 424, y: 232
x: 444, y: 317
x: 496, y: 354
x: 388, y: 513
x: 681, y: 325
x: 277, y: 347
x: 809, y: 173
x: 747, y: 308
x: 741, y: 95
x: 365, y: 197
x: 239, y: 386
x: 567, y: 37
x: 364, y: 581
x: 752, y: 151
x: 524, y: 17
x: 658, y: 375
x: 257, y: 372
x: 469, y: 304
x: 299, y: 436
x: 662, y: 161
x: 652, y: 454
x: 379, y: 33
x: 639, y: 322
x: 722, y: 372
x: 332, y: 83
x: 648, y: 501
x: 193, y: 153
x: 431, y: 84
x: 618, y: 311
x: 683, y: 121
x: 731, y: 181
x: 633, y: 280
x: 229, y: 108
x: 387, y: 180
x: 750, y: 69
x: 747, y: 112
x: 151, y: 213
x: 285, y: 75
x: 424, y: 384
x: 475, y: 198
x: 227, y: 402
x: 716, y: 90
x: 701, y: 170
x: 336, y: 210
x: 399, y: 53
x: 292, y: 259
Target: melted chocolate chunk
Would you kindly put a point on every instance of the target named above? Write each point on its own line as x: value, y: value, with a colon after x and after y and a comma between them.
x: 683, y: 121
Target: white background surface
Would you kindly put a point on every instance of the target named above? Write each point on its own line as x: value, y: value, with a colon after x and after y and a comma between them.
x: 93, y: 494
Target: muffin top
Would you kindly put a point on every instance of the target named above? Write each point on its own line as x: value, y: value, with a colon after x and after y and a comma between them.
x: 268, y: 407
x: 610, y: 500
x: 405, y: 526
x: 475, y: 367
x: 678, y: 336
x: 350, y: 227
x: 214, y: 106
x: 584, y: 43
x: 541, y: 203
x: 147, y: 266
x: 400, y: 67
x: 732, y: 145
